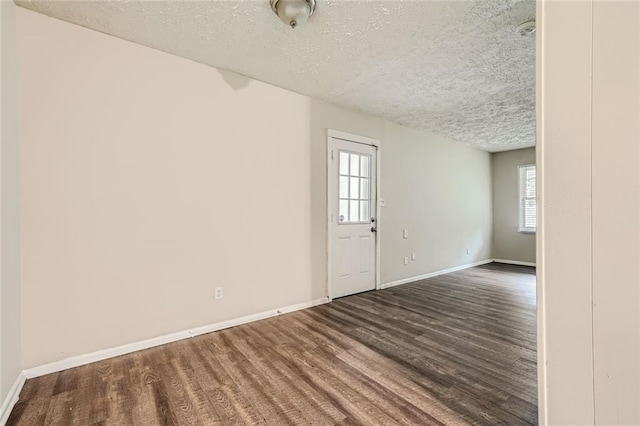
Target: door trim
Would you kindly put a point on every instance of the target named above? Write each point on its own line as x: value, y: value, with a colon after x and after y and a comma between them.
x: 332, y: 136
x: 336, y: 134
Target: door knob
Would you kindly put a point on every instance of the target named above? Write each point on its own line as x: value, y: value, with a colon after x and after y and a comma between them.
x: 374, y: 229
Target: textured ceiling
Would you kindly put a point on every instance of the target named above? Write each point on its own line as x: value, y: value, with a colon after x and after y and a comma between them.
x: 455, y: 68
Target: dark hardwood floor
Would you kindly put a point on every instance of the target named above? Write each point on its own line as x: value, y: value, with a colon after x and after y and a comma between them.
x: 454, y: 349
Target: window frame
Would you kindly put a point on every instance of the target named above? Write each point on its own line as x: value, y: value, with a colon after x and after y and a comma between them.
x: 522, y: 198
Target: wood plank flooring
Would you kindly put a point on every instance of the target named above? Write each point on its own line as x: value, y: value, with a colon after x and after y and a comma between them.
x: 454, y: 349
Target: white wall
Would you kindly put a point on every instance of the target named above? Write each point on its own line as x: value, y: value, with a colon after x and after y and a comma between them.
x: 10, y: 331
x: 508, y: 243
x: 588, y: 269
x: 147, y: 180
x: 441, y: 193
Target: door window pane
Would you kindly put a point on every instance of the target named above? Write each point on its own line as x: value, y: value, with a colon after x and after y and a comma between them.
x: 343, y: 213
x: 355, y: 165
x: 364, y: 211
x: 344, y: 187
x: 354, y: 188
x: 364, y: 189
x: 364, y: 165
x: 353, y: 210
x: 344, y: 163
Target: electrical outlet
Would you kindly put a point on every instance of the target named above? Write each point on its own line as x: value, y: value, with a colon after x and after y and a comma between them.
x: 218, y: 293
x: 406, y: 260
x: 413, y: 255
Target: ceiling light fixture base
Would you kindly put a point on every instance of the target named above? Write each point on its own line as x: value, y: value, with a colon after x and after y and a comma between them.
x: 293, y: 12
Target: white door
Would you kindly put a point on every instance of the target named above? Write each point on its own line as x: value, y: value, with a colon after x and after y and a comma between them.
x: 352, y: 221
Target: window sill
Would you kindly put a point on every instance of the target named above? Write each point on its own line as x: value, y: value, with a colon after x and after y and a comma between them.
x: 526, y: 232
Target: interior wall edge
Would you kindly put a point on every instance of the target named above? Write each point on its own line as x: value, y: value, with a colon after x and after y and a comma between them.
x: 10, y: 284
x: 515, y: 262
x: 540, y: 262
x: 435, y: 273
x: 104, y: 354
x: 12, y: 398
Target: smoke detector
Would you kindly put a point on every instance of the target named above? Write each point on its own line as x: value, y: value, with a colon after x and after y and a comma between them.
x: 526, y: 28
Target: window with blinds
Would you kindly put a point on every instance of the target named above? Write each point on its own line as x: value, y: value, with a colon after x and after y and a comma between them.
x: 527, y: 197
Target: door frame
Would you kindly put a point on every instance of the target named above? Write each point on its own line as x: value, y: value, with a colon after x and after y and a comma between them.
x: 333, y: 136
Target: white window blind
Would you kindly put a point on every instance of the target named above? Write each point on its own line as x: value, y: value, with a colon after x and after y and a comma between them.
x: 527, y: 220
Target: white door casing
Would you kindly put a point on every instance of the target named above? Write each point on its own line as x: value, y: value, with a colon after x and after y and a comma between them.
x: 353, y: 218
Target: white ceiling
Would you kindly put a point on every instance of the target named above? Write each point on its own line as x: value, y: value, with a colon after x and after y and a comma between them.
x: 455, y: 68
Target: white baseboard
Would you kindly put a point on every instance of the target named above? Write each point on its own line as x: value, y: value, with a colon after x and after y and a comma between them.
x: 79, y: 360
x: 514, y: 262
x: 11, y: 399
x: 435, y: 274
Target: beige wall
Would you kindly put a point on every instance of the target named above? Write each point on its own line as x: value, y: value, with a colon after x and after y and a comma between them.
x: 615, y: 211
x: 508, y: 243
x: 588, y: 269
x: 147, y: 180
x: 441, y: 193
x: 129, y: 199
x: 10, y: 331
